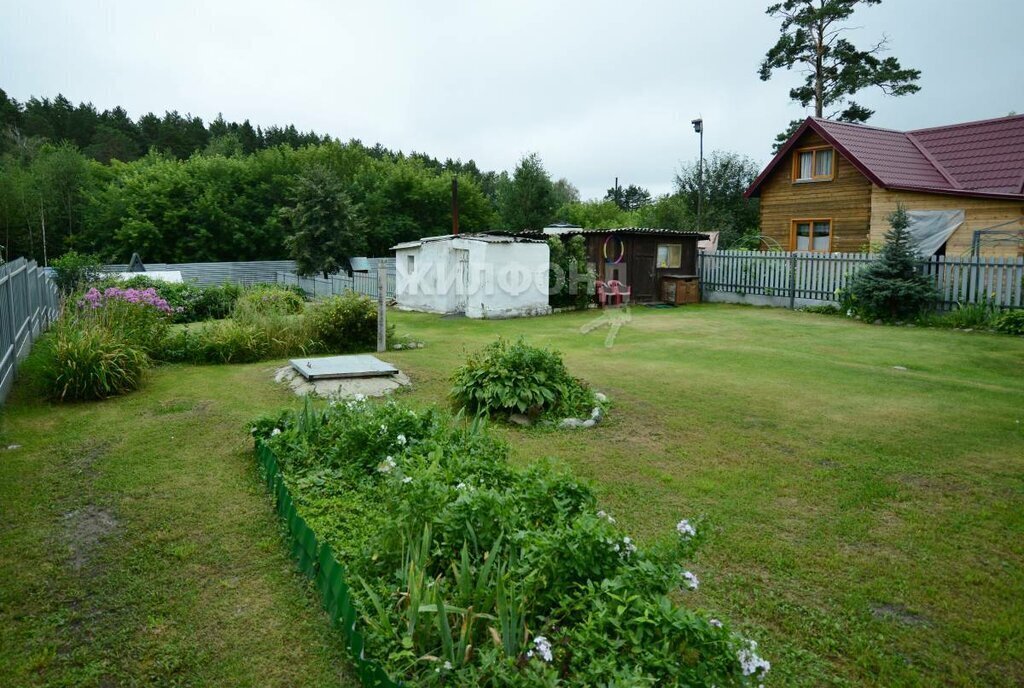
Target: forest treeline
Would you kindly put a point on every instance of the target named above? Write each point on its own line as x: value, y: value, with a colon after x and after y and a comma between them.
x: 176, y: 189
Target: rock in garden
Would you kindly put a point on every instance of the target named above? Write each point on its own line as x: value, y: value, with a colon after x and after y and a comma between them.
x: 571, y: 423
x: 596, y: 413
x: 520, y: 419
x: 588, y: 423
x: 878, y: 322
x: 601, y: 397
x: 396, y: 347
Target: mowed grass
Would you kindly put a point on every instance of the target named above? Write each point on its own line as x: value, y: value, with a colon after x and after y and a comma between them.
x: 867, y: 521
x: 138, y: 547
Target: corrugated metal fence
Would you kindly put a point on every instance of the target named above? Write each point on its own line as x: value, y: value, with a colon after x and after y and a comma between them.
x: 239, y: 272
x: 28, y: 304
x: 794, y: 279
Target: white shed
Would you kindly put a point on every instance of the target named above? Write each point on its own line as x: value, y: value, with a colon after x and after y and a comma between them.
x: 479, y: 275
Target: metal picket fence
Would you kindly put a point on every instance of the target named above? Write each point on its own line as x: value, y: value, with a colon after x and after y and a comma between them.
x: 29, y: 302
x: 791, y: 279
x: 318, y: 287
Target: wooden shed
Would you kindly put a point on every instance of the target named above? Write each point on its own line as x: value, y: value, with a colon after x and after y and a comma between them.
x: 651, y: 262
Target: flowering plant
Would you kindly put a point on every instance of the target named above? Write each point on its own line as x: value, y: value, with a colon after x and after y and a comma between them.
x: 94, y: 298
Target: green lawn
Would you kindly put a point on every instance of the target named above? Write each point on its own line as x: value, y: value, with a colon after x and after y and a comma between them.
x: 867, y: 521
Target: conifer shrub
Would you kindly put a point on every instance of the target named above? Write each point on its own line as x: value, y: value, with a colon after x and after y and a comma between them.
x: 892, y: 288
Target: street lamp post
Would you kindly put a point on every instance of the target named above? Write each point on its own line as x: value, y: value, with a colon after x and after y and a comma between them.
x: 698, y: 126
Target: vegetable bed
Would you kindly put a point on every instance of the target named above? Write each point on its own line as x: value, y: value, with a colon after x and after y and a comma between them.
x: 464, y: 570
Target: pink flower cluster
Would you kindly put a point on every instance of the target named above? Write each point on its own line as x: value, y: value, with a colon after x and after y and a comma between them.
x: 94, y: 298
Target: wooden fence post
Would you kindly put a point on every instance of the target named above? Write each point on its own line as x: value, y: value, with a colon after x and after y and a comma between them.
x: 382, y: 311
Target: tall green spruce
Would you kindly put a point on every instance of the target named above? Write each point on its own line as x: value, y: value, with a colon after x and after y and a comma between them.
x: 892, y: 288
x: 812, y: 40
x: 327, y: 227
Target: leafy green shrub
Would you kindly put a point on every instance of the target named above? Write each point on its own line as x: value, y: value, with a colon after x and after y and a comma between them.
x: 892, y: 288
x: 467, y: 571
x: 570, y: 283
x: 514, y: 377
x: 823, y: 309
x: 1010, y: 322
x: 345, y: 323
x: 74, y: 270
x: 80, y: 359
x: 269, y: 300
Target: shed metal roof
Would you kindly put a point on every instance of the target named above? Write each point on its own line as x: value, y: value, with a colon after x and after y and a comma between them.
x: 653, y: 231
x: 984, y: 158
x: 480, y: 236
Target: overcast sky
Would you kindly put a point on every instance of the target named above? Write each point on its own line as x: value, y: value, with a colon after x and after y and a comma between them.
x: 598, y: 89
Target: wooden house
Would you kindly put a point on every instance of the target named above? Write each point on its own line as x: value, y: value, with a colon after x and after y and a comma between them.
x: 649, y: 262
x: 833, y: 185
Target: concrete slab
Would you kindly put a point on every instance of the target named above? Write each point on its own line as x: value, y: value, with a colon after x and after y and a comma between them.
x: 344, y: 387
x: 339, y: 367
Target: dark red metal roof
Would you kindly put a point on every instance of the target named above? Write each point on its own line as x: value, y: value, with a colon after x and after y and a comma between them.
x: 983, y: 158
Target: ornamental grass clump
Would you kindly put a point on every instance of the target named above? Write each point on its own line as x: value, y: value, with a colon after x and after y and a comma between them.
x: 513, y: 377
x: 468, y: 571
x: 81, y: 359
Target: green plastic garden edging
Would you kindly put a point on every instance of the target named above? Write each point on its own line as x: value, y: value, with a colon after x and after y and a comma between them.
x: 317, y: 562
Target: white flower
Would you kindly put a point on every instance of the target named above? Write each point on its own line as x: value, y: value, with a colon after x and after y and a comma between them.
x: 276, y: 431
x: 605, y: 515
x: 750, y: 662
x: 401, y: 438
x: 628, y: 546
x: 447, y: 665
x: 686, y: 529
x: 541, y: 647
x: 691, y: 580
x: 358, y: 397
x: 715, y: 622
x: 406, y: 480
x: 383, y: 429
x: 386, y: 465
x: 460, y: 486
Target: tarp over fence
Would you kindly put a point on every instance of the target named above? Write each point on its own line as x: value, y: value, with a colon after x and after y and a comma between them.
x: 28, y: 304
x: 796, y: 279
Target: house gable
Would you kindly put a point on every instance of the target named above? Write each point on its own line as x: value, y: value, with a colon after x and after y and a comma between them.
x: 844, y: 200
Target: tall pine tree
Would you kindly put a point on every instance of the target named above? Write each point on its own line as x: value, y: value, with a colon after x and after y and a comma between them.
x: 812, y: 38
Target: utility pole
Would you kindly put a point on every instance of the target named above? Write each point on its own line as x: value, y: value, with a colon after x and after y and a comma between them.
x: 698, y: 126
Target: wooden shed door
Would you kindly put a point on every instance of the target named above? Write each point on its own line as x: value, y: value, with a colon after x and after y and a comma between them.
x: 642, y: 272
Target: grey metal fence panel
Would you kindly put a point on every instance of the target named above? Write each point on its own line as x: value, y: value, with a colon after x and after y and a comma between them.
x: 318, y: 287
x: 778, y: 278
x: 29, y: 302
x: 237, y: 272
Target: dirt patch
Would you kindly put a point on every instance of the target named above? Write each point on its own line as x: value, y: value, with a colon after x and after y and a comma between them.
x: 899, y: 614
x: 174, y: 406
x: 84, y: 530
